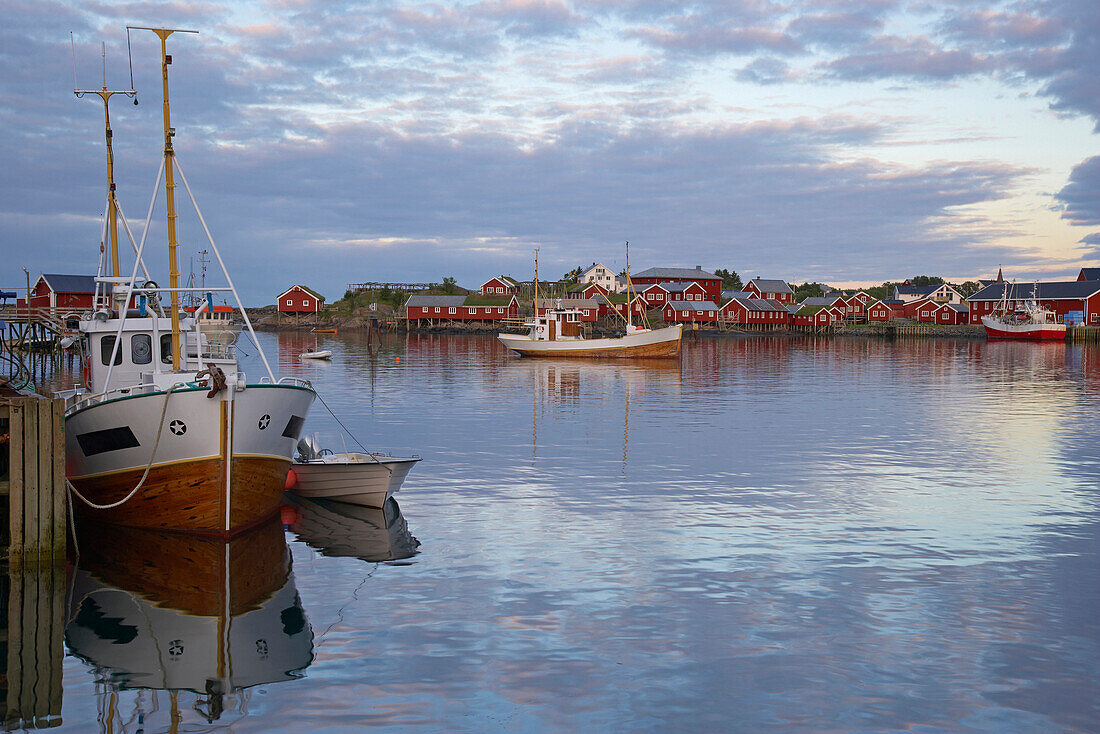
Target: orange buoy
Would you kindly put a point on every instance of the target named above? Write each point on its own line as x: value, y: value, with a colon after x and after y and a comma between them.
x: 291, y: 479
x: 397, y: 360
x: 287, y: 515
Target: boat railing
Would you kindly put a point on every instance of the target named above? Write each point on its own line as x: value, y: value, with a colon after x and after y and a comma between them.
x: 288, y: 380
x: 78, y: 400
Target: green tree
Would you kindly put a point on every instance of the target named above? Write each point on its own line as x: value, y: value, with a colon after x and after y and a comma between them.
x: 968, y: 288
x: 730, y: 279
x: 449, y: 286
x: 573, y: 275
x: 807, y: 290
x: 919, y: 280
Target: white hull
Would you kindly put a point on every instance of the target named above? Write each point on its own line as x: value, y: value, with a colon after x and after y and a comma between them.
x: 363, y: 482
x: 323, y: 354
x: 641, y: 343
x: 996, y: 328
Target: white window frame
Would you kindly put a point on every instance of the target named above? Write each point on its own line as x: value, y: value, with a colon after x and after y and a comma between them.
x: 452, y: 309
x: 305, y: 303
x: 437, y: 309
x: 290, y: 301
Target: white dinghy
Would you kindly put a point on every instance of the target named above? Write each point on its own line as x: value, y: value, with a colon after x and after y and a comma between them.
x: 358, y: 478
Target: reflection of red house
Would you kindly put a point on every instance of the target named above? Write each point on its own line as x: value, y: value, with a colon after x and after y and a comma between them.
x: 299, y: 299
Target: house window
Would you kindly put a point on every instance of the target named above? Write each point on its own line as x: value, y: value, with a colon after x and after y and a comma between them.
x: 305, y: 302
x: 289, y: 302
x: 585, y: 312
x: 437, y: 309
x: 685, y: 313
x: 452, y: 309
x: 500, y: 310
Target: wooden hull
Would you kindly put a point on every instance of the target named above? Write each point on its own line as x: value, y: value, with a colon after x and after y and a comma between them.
x: 219, y: 465
x: 190, y: 497
x: 996, y: 329
x: 661, y: 343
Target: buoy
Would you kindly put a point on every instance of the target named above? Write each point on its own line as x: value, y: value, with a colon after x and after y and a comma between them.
x: 287, y: 515
x: 291, y: 479
x: 397, y: 360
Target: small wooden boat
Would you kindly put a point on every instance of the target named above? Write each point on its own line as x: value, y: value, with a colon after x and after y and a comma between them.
x: 330, y: 330
x: 358, y: 478
x: 318, y: 354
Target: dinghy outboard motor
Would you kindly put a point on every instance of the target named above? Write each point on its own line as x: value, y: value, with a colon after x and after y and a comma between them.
x: 309, y: 449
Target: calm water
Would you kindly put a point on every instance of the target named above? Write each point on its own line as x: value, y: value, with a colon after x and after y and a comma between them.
x: 774, y: 534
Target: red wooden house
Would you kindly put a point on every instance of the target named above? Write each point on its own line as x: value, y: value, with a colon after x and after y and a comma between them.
x: 923, y: 310
x: 588, y: 291
x: 61, y: 292
x: 499, y: 286
x: 755, y: 311
x: 885, y: 310
x: 655, y: 295
x: 772, y: 290
x: 712, y: 284
x: 690, y: 311
x: 952, y: 314
x: 474, y: 307
x: 617, y: 303
x: 692, y: 291
x: 813, y: 316
x: 1089, y: 274
x: 299, y: 299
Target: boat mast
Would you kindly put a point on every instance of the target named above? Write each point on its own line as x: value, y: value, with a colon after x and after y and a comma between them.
x: 112, y: 203
x: 170, y: 186
x: 629, y: 325
x: 536, y: 282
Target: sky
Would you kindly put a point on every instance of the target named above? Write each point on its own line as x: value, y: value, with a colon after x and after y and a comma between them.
x: 328, y: 143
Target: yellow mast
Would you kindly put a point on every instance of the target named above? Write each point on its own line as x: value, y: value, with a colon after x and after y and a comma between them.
x: 112, y: 203
x: 629, y: 324
x: 536, y: 282
x: 169, y: 187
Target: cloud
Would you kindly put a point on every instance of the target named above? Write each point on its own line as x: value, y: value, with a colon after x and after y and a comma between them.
x: 1080, y: 196
x: 893, y: 57
x: 766, y: 71
x: 837, y: 30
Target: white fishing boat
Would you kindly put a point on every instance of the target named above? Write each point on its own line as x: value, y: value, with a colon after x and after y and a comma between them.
x: 316, y: 354
x: 558, y: 332
x: 1017, y: 317
x: 166, y: 431
x: 357, y: 478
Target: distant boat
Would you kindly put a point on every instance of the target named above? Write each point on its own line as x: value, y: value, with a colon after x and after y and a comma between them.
x: 329, y: 330
x: 557, y: 333
x: 367, y: 479
x: 1028, y: 320
x: 318, y: 354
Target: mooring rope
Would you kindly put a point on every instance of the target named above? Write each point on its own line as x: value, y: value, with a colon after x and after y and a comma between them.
x: 145, y: 475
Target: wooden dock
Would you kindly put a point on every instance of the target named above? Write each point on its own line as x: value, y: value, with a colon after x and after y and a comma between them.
x: 32, y: 480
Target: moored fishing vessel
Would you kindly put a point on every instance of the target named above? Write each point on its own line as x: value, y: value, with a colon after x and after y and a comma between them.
x: 557, y: 332
x: 167, y: 432
x: 1025, y: 319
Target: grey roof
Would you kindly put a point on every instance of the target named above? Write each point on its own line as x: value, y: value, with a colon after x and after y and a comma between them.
x: 1091, y: 273
x: 757, y: 304
x: 960, y: 307
x: 676, y: 273
x: 566, y: 303
x: 693, y: 305
x: 70, y: 283
x: 917, y: 290
x: 1061, y: 290
x: 792, y: 307
x: 727, y: 295
x: 676, y: 287
x: 771, y: 286
x: 421, y: 300
x: 825, y: 301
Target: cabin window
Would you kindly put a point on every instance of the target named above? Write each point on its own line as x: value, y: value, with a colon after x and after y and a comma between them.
x: 684, y: 313
x: 106, y: 346
x: 141, y: 348
x: 585, y: 312
x: 305, y: 302
x: 452, y: 309
x: 166, y: 348
x: 500, y: 310
x: 437, y: 309
x: 289, y: 302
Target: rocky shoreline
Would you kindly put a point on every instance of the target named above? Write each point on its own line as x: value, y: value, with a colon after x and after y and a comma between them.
x: 267, y: 320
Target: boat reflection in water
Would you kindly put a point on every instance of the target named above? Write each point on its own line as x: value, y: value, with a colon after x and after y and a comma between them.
x: 158, y: 611
x: 340, y: 529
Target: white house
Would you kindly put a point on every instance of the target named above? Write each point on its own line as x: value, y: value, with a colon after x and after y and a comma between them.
x: 597, y: 273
